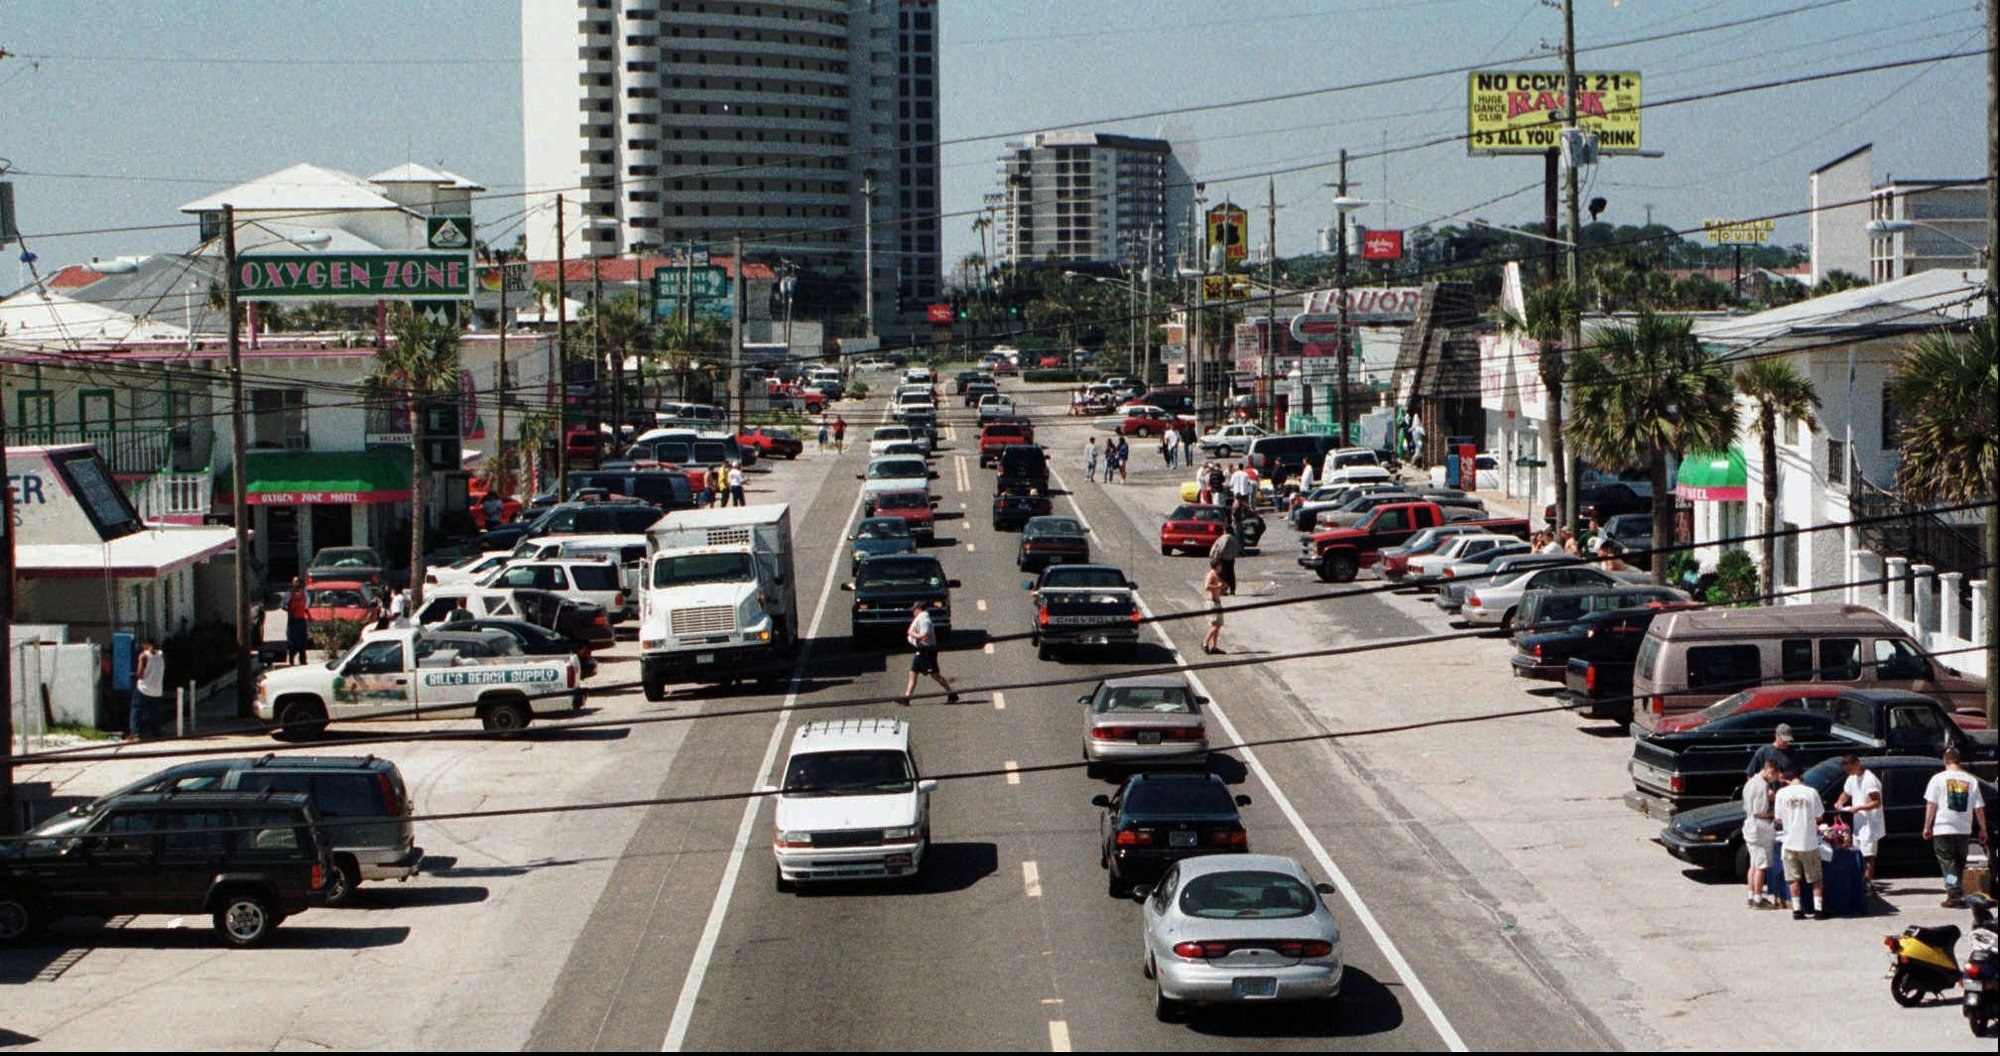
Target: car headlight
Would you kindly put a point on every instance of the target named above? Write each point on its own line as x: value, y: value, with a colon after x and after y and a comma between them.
x: 652, y: 643
x: 792, y: 838
x: 907, y: 832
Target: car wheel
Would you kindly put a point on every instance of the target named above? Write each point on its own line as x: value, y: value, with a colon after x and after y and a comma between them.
x: 20, y: 920
x: 1115, y: 885
x: 1166, y: 551
x: 1222, y: 450
x: 783, y: 886
x: 245, y: 919
x: 1507, y: 622
x: 301, y: 718
x: 1338, y: 568
x: 340, y: 883
x: 654, y: 685
x: 1166, y: 1009
x: 1740, y: 869
x: 506, y: 716
x: 1043, y: 652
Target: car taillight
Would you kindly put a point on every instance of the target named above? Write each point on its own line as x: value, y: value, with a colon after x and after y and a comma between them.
x: 1135, y: 838
x: 1196, y: 951
x: 599, y: 621
x: 1042, y: 616
x: 389, y: 796
x: 618, y: 600
x: 1472, y: 598
x: 1135, y: 616
x: 1449, y: 573
x: 1590, y: 678
x: 1310, y: 948
x: 570, y: 670
x: 1229, y: 838
x: 318, y: 876
x: 1658, y: 705
x: 1537, y: 651
x: 1676, y: 782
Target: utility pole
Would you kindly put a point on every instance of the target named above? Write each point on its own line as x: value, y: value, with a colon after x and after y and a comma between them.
x: 562, y: 354
x: 1340, y: 306
x: 1146, y: 373
x: 496, y: 482
x: 597, y: 364
x: 1271, y: 307
x: 239, y: 500
x: 1567, y: 501
x: 733, y: 405
x: 1196, y: 357
x: 868, y: 254
x: 1993, y: 325
x: 7, y: 810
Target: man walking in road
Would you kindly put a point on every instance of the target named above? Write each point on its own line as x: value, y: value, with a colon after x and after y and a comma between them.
x: 1798, y: 808
x: 1759, y: 833
x: 1170, y: 447
x: 922, y: 636
x: 1953, y: 809
x: 1862, y: 795
x: 1223, y: 553
x: 839, y: 434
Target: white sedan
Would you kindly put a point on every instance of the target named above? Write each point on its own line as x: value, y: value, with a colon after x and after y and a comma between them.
x: 884, y: 436
x: 1495, y: 601
x: 1239, y: 929
x: 1230, y: 439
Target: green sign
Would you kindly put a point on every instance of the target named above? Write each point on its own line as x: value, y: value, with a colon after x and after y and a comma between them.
x: 710, y: 283
x: 1530, y: 463
x: 448, y: 233
x: 391, y: 276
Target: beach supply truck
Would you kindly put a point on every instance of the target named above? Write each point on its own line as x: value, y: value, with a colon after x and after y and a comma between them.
x: 718, y: 601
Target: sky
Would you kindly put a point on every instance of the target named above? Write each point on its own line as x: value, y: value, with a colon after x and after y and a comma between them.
x: 113, y: 114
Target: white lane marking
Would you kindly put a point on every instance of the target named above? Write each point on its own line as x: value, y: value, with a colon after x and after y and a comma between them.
x: 704, y: 950
x: 980, y: 604
x: 988, y: 650
x: 964, y: 481
x: 1058, y: 1036
x: 1013, y: 769
x: 999, y: 701
x: 970, y: 548
x: 1418, y: 992
x: 1031, y: 879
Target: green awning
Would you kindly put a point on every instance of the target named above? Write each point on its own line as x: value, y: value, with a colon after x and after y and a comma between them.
x: 346, y: 478
x: 1714, y: 477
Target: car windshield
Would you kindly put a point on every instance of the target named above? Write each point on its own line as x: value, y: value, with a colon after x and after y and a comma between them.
x: 894, y: 469
x: 335, y: 599
x: 594, y: 577
x: 882, y: 528
x: 1178, y: 797
x: 1247, y: 896
x: 1054, y: 526
x: 1728, y: 705
x: 1083, y: 576
x: 346, y: 557
x: 892, y: 432
x: 703, y: 568
x: 1152, y: 700
x: 864, y: 773
x: 675, y: 451
x: 1196, y: 513
x: 892, y: 573
x: 903, y: 500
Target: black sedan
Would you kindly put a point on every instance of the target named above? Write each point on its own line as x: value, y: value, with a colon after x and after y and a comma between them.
x: 535, y: 640
x: 581, y: 620
x: 1711, y: 837
x: 1052, y: 540
x: 1011, y: 512
x: 1158, y: 818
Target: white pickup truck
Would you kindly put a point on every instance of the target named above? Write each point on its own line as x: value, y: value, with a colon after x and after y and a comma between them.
x: 421, y: 673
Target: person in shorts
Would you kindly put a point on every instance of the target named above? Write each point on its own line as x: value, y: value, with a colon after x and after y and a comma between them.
x: 1798, y: 808
x: 1213, y: 586
x: 1758, y: 833
x: 922, y: 636
x: 1862, y: 797
x: 1953, y: 810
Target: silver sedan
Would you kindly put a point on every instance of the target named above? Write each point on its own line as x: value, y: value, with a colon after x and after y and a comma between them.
x: 1143, y: 719
x: 1239, y: 929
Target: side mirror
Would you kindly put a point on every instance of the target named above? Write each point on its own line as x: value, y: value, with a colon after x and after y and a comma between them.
x: 1085, y: 699
x: 1101, y: 800
x: 1027, y: 584
x: 847, y: 587
x: 934, y: 474
x: 1142, y: 892
x: 861, y: 476
x: 1131, y: 585
x: 1242, y: 801
x: 1323, y: 888
x: 1201, y: 701
x: 952, y: 583
x: 928, y: 784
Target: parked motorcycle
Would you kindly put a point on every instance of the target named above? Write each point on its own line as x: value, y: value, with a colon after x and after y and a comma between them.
x: 1925, y: 962
x: 1981, y: 974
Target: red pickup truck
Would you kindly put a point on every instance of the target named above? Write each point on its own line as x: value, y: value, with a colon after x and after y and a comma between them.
x: 1336, y: 554
x: 997, y: 436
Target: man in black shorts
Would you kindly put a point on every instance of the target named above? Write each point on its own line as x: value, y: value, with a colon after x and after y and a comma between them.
x: 922, y: 637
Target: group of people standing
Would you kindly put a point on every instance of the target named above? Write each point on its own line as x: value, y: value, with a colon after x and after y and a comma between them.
x: 721, y: 486
x: 1117, y: 459
x: 833, y: 429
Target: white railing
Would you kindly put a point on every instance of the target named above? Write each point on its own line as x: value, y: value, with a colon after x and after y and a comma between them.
x: 173, y: 495
x: 1926, y: 604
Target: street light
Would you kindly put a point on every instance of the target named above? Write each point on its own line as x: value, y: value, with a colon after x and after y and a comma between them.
x: 1883, y: 228
x: 1345, y: 206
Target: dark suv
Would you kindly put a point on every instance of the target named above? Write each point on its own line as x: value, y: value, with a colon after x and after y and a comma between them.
x: 248, y: 859
x: 1024, y: 467
x: 363, y: 806
x: 885, y: 587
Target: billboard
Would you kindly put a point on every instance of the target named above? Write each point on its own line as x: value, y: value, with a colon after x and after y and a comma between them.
x: 1738, y: 232
x: 1229, y: 227
x: 386, y: 276
x: 1521, y: 112
x: 1381, y: 245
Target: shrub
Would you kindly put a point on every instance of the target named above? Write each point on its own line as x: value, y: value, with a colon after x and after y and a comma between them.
x: 334, y: 637
x: 1735, y: 579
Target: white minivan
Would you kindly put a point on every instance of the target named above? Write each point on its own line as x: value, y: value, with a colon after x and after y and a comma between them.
x: 851, y: 804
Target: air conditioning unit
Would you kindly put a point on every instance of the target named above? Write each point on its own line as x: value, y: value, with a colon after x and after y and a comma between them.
x: 297, y: 442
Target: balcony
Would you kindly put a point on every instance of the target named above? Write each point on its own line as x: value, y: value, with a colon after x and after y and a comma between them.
x: 174, y: 498
x: 130, y: 451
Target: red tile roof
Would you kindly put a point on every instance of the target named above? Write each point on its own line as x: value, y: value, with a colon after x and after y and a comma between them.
x: 627, y: 270
x: 72, y: 277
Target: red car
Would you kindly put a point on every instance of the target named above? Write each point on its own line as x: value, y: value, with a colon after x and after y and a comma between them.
x: 340, y: 599
x: 999, y: 435
x: 771, y: 442
x: 1192, y: 526
x: 510, y: 510
x: 1051, y: 361
x: 1760, y: 698
x: 1003, y: 365
x: 914, y: 507
x: 1145, y: 420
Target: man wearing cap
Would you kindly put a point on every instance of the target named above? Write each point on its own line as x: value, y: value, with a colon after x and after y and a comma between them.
x: 922, y: 637
x: 1773, y: 752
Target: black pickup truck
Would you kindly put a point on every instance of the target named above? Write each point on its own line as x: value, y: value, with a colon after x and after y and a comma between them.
x: 1083, y: 606
x: 1708, y: 763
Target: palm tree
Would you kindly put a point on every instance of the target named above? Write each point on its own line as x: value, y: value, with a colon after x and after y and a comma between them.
x: 1645, y: 391
x: 1946, y: 390
x: 1548, y: 312
x: 624, y: 330
x: 1777, y: 389
x: 421, y: 362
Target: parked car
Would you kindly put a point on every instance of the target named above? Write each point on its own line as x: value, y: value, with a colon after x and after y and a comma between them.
x: 1239, y: 930
x: 771, y: 441
x: 1545, y: 609
x: 1394, y: 563
x: 246, y: 859
x: 1425, y: 569
x: 1140, y: 420
x: 1807, y: 697
x: 595, y: 580
x: 1231, y: 438
x: 349, y: 564
x: 1052, y: 540
x: 340, y: 599
x: 1193, y: 526
x: 1145, y: 720
x: 1159, y: 817
x: 1494, y: 602
x: 876, y: 536
x: 534, y: 639
x: 1711, y: 837
x: 1601, y: 501
x: 1603, y: 636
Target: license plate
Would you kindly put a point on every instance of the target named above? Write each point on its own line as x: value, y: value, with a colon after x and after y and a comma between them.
x: 704, y: 658
x: 1255, y: 986
x: 1150, y: 737
x: 1183, y: 838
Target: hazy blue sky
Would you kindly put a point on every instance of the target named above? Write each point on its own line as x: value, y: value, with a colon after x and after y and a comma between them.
x: 112, y: 114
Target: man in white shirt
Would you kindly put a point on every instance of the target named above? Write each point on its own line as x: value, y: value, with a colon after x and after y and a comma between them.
x: 149, y: 692
x: 1759, y: 833
x: 1240, y: 488
x: 1862, y: 796
x: 1952, y: 806
x: 922, y: 636
x: 1797, y: 808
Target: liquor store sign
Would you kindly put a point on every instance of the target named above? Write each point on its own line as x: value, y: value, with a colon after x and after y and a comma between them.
x: 392, y: 276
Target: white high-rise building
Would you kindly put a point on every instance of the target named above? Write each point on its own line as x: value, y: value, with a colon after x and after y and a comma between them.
x: 668, y: 122
x: 1091, y: 196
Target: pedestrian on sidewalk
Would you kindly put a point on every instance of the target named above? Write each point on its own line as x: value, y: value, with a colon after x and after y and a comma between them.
x: 1861, y: 795
x: 922, y: 636
x: 1110, y: 461
x: 1213, y: 586
x: 736, y: 483
x: 1090, y: 460
x: 298, y: 622
x: 1188, y: 444
x: 825, y: 429
x: 839, y: 434
x: 1778, y: 751
x: 1953, y: 809
x: 1759, y: 832
x: 149, y: 691
x: 1224, y: 552
x: 1124, y: 458
x: 1170, y: 447
x: 1798, y: 808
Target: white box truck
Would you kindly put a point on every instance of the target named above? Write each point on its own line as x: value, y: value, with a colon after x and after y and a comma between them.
x: 718, y: 600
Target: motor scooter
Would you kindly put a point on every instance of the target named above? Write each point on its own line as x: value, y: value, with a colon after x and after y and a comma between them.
x: 1981, y: 976
x: 1924, y: 962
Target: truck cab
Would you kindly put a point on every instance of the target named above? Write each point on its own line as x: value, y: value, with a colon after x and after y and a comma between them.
x: 718, y: 601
